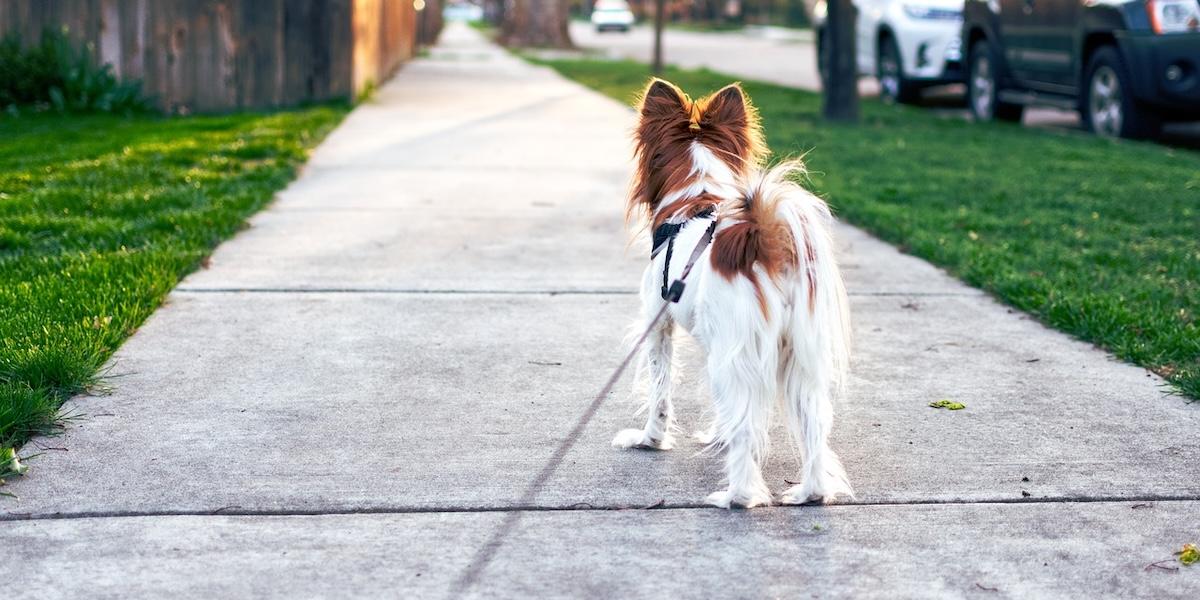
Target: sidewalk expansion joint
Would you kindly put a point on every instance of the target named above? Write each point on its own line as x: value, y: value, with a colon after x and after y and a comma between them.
x: 237, y: 511
x: 401, y: 291
x: 529, y: 292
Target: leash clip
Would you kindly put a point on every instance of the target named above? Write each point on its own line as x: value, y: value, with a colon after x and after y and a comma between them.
x: 676, y: 291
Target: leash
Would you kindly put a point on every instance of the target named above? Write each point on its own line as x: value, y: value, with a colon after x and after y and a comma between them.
x: 488, y: 551
x: 672, y: 294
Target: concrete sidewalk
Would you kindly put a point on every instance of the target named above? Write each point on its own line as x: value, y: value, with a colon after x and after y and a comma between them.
x: 379, y: 390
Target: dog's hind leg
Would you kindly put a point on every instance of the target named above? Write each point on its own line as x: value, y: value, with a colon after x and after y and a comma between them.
x: 809, y: 411
x: 742, y: 400
x: 656, y: 365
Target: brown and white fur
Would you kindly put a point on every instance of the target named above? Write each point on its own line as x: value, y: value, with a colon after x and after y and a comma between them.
x: 765, y: 301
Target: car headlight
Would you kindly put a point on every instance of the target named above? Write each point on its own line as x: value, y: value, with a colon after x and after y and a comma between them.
x: 820, y: 11
x: 1174, y: 16
x: 918, y: 11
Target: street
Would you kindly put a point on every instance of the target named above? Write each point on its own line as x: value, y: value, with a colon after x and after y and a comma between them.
x: 788, y: 57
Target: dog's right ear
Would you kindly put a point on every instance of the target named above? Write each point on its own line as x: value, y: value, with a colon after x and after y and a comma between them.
x: 663, y: 98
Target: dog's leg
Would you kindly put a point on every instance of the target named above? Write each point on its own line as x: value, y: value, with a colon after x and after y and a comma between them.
x: 656, y: 363
x: 810, y: 418
x: 742, y: 399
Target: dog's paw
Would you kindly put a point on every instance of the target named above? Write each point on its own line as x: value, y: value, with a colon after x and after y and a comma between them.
x: 736, y: 499
x: 705, y: 436
x: 796, y: 496
x: 637, y: 438
x: 809, y: 494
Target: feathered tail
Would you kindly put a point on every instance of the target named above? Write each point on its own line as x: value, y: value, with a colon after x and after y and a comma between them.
x: 814, y: 352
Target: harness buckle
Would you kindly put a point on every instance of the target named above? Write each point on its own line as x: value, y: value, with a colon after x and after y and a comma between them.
x: 675, y: 292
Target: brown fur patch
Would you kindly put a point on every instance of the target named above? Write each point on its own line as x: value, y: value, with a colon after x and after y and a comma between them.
x: 810, y: 262
x: 764, y: 242
x: 686, y: 209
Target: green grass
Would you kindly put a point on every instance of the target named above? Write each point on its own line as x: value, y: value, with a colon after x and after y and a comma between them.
x: 1098, y: 238
x: 485, y: 27
x: 705, y: 26
x: 100, y: 216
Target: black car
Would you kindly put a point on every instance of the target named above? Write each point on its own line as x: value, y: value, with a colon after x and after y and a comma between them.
x: 1125, y: 65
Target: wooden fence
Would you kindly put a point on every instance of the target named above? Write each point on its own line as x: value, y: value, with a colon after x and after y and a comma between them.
x: 217, y: 55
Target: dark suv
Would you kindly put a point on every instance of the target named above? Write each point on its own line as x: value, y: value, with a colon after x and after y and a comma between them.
x: 1126, y: 66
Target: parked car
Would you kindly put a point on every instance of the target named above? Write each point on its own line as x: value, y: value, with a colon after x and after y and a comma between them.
x: 1125, y: 65
x: 462, y: 11
x: 612, y: 15
x: 907, y: 44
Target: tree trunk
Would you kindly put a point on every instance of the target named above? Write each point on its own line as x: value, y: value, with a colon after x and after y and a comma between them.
x: 659, y: 17
x: 536, y: 23
x: 840, y: 97
x: 429, y: 23
x: 493, y: 12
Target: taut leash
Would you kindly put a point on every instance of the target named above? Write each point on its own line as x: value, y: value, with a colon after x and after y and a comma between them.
x: 672, y: 294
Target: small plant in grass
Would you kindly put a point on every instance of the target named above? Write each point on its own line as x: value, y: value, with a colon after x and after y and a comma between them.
x: 367, y: 92
x: 1189, y: 555
x: 55, y: 75
x: 10, y: 464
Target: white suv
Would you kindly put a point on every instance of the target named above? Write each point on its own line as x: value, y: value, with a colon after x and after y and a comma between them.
x: 907, y: 44
x: 612, y: 14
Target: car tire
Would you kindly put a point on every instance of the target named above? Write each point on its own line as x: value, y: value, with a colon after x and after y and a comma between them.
x: 1107, y: 105
x: 894, y: 87
x: 983, y: 87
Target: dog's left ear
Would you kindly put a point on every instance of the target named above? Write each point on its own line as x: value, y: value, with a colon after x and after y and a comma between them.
x: 663, y: 98
x: 727, y: 106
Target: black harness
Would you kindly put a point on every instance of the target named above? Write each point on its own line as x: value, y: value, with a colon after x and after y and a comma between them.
x: 665, y: 234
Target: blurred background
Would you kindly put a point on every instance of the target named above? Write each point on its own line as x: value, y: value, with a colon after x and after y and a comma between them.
x: 913, y: 52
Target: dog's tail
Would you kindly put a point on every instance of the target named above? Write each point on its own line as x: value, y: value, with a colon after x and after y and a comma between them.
x: 815, y: 346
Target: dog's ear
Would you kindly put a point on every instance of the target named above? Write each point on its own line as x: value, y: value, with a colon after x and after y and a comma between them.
x: 663, y: 98
x: 727, y: 106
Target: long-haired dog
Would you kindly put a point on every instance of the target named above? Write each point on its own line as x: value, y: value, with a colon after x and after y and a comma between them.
x: 765, y: 301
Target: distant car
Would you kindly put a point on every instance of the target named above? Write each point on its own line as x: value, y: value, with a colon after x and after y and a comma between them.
x: 462, y: 11
x: 907, y: 44
x: 1125, y: 65
x: 612, y: 15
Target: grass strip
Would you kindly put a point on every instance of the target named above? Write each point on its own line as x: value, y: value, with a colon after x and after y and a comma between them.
x: 100, y: 216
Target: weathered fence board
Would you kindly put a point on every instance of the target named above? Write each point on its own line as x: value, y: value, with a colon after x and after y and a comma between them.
x: 214, y: 55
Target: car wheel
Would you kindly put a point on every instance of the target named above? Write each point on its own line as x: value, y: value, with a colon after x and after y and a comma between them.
x: 893, y: 85
x: 983, y: 87
x: 1109, y: 108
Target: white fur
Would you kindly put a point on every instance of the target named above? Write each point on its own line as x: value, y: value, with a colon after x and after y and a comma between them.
x: 715, y: 177
x: 795, y: 360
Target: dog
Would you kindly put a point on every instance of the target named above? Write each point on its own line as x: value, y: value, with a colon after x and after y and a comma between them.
x: 765, y: 300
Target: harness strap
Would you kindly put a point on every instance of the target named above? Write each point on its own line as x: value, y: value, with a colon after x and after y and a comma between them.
x: 667, y: 231
x: 665, y: 234
x: 667, y: 267
x: 675, y: 292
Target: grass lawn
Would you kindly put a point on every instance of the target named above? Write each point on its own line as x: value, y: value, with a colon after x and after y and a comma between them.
x: 100, y: 216
x: 1097, y: 238
x: 702, y: 27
